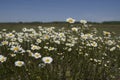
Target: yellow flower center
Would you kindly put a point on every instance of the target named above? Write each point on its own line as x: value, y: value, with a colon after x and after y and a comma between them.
x: 4, y: 42
x: 10, y: 34
x: 70, y: 20
x: 3, y: 59
x: 37, y: 55
x: 16, y: 48
x: 47, y: 60
x: 46, y: 37
x: 19, y: 63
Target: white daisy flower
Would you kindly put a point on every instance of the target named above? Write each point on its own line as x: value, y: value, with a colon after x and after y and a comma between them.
x: 16, y: 48
x: 12, y: 55
x: 94, y: 44
x: 2, y: 58
x: 86, y: 36
x: 51, y: 48
x: 70, y: 20
x: 83, y: 21
x: 4, y: 29
x: 37, y: 55
x: 112, y: 49
x: 46, y: 37
x: 74, y: 29
x: 4, y: 42
x: 24, y: 29
x: 19, y: 63
x: 38, y: 40
x: 10, y: 35
x: 106, y: 33
x: 20, y: 40
x: 109, y: 42
x: 47, y: 60
x: 61, y: 35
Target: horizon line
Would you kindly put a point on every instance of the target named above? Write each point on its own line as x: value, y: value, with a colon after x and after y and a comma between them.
x: 56, y: 21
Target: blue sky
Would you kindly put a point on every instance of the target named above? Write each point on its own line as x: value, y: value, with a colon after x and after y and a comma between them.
x: 59, y: 10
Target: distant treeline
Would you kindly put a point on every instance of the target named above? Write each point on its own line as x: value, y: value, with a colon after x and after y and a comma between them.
x: 111, y: 22
x: 63, y: 22
x: 54, y: 22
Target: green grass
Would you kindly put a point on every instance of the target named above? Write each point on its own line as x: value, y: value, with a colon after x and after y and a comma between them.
x: 108, y: 27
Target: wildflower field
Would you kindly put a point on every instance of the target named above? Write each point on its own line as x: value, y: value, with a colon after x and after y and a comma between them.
x: 74, y: 52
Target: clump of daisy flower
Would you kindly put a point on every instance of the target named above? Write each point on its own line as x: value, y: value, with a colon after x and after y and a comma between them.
x: 35, y: 47
x: 106, y: 33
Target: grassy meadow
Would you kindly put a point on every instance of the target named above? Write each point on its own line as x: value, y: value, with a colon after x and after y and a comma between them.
x: 59, y: 51
x: 100, y: 26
